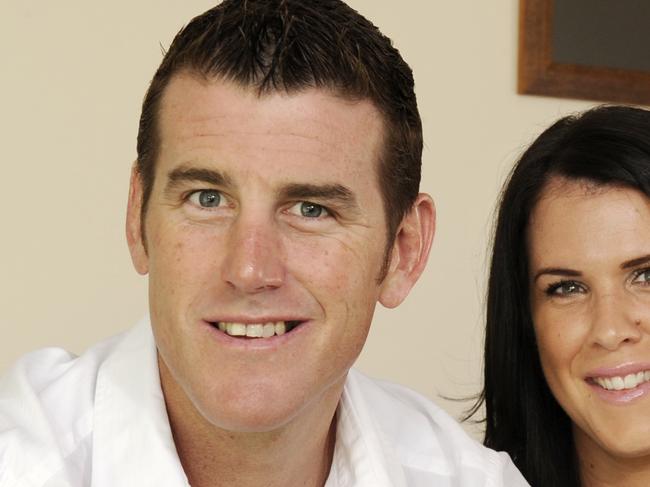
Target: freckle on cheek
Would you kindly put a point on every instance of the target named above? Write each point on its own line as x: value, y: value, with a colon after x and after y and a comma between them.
x: 178, y: 251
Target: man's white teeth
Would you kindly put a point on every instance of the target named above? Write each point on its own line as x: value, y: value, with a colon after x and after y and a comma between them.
x: 268, y: 330
x: 253, y: 330
x: 630, y: 381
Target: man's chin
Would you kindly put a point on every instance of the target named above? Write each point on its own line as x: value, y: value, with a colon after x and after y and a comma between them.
x: 251, y: 417
x: 266, y: 406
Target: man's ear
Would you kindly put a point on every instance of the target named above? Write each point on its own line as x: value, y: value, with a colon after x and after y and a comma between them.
x: 410, y: 251
x: 134, y: 237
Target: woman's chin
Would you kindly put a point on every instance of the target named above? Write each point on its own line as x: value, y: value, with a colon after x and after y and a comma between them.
x: 625, y: 442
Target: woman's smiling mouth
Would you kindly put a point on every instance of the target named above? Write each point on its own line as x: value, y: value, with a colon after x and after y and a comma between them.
x: 621, y: 385
x: 618, y: 383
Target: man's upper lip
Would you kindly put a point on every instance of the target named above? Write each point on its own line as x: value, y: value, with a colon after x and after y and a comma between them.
x: 620, y: 370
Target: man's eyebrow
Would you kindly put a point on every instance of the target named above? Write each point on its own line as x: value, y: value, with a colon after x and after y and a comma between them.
x: 636, y: 262
x: 196, y: 174
x: 335, y: 193
x: 557, y: 271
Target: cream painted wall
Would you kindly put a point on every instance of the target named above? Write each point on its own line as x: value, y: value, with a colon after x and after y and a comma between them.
x: 73, y: 76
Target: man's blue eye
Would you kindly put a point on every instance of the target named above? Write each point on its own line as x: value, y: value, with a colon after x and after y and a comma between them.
x: 207, y: 198
x: 311, y: 210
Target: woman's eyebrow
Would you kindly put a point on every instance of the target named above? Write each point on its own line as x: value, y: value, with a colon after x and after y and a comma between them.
x: 635, y: 262
x: 557, y: 271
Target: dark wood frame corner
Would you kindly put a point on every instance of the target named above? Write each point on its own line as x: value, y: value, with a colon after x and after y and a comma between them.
x: 540, y: 75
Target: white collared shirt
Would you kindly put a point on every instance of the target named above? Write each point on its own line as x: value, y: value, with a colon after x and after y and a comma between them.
x: 99, y: 420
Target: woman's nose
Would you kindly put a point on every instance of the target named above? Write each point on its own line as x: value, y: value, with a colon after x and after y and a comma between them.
x: 616, y: 319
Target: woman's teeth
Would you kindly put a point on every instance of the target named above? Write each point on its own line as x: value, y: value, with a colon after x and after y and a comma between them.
x: 256, y: 330
x: 630, y: 381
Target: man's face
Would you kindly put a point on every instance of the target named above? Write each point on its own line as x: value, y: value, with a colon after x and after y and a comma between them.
x: 265, y: 214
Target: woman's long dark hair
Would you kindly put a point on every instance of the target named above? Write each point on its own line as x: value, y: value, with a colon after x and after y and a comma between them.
x: 608, y: 145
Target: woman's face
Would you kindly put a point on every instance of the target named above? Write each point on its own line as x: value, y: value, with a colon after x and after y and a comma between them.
x: 589, y: 252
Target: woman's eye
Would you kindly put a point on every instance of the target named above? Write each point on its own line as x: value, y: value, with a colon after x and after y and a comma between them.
x: 309, y: 210
x: 564, y: 288
x: 642, y: 277
x: 206, y: 198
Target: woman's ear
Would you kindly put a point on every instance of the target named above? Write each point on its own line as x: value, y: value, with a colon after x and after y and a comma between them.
x: 134, y: 224
x: 410, y: 251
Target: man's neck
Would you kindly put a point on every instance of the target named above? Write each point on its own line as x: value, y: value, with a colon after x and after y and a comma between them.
x: 298, y: 453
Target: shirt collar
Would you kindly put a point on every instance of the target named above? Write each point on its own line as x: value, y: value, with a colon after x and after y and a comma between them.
x: 131, y: 424
x: 362, y: 456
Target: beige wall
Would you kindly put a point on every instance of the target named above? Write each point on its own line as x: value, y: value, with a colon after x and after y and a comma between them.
x: 73, y: 76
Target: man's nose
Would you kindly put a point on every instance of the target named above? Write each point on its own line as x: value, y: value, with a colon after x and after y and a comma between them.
x: 254, y: 257
x: 616, y: 319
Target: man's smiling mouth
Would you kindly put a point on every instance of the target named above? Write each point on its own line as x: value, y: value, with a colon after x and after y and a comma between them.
x: 256, y: 330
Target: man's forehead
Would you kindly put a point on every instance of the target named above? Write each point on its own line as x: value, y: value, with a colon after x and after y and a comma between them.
x: 192, y: 98
x: 223, y: 122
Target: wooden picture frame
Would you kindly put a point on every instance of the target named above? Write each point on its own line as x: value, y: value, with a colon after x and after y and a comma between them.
x: 540, y: 74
